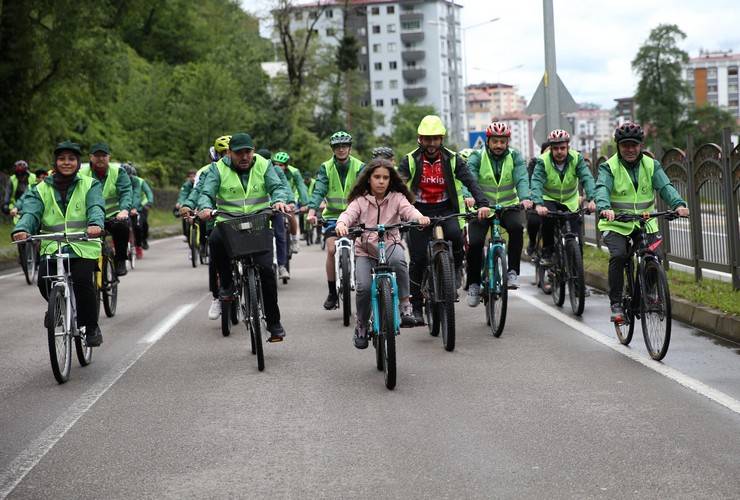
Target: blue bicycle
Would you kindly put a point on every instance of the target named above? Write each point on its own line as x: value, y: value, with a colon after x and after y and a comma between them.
x: 385, y: 318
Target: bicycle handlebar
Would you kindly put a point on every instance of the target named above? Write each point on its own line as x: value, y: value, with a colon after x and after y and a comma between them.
x: 65, y: 237
x: 358, y: 230
x: 668, y: 214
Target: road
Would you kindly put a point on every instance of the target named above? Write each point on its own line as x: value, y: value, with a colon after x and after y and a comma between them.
x: 171, y: 409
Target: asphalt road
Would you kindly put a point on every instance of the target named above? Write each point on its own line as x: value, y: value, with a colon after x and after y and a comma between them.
x: 171, y: 409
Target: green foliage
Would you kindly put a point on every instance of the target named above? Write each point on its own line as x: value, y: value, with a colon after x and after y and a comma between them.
x: 705, y: 124
x: 405, y: 122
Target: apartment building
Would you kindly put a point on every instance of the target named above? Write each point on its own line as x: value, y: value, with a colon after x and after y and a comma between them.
x: 713, y: 79
x: 487, y: 100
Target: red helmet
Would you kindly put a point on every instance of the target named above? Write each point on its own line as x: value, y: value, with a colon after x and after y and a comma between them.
x: 558, y: 135
x: 498, y: 129
x: 21, y: 167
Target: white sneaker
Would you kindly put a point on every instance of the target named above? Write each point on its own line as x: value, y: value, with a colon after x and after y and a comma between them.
x: 214, y: 312
x: 283, y: 273
x: 294, y: 246
x: 513, y: 280
x: 473, y: 295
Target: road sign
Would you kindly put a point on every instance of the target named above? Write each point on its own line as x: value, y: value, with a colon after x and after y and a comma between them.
x: 476, y: 140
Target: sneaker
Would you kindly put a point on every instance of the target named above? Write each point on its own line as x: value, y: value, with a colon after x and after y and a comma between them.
x: 512, y: 279
x: 407, y: 315
x: 360, y: 337
x: 145, y: 245
x: 121, y: 268
x: 214, y: 312
x: 617, y: 314
x: 283, y: 273
x: 277, y: 332
x: 473, y: 295
x: 530, y: 250
x: 94, y: 339
x: 139, y: 253
x: 418, y: 312
x: 294, y: 246
x: 331, y: 302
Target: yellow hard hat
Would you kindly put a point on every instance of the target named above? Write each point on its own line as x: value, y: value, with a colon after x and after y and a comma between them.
x: 431, y: 125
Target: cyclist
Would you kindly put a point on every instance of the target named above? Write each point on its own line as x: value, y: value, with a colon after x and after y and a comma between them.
x: 502, y: 175
x: 217, y: 151
x: 533, y: 220
x: 41, y: 174
x: 437, y: 184
x: 243, y: 183
x: 554, y: 186
x: 295, y: 181
x: 143, y: 203
x: 68, y: 202
x: 185, y: 190
x: 118, y: 201
x: 625, y: 185
x: 21, y: 180
x: 278, y: 221
x: 334, y: 181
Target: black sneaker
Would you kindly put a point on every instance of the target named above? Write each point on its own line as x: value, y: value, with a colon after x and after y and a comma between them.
x: 121, y: 268
x: 145, y: 245
x: 277, y: 332
x: 360, y: 338
x: 331, y: 302
x: 94, y: 339
x: 418, y: 312
x: 530, y: 250
x: 617, y: 314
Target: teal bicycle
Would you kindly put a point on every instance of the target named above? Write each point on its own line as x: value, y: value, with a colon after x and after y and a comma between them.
x: 385, y: 317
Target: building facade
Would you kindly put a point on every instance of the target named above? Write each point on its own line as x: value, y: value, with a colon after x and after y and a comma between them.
x: 592, y: 127
x: 410, y: 51
x: 487, y: 100
x: 713, y: 79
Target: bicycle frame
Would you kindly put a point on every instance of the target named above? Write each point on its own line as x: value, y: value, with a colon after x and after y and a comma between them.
x: 383, y: 270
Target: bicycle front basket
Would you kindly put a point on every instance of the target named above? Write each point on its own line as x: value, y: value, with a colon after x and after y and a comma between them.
x: 247, y: 235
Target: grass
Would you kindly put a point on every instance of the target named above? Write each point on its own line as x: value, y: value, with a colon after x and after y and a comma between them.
x: 708, y: 292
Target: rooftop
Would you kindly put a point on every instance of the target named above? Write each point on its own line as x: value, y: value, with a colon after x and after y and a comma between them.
x: 717, y: 55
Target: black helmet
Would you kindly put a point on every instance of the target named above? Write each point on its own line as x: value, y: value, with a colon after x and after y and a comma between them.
x: 383, y: 152
x: 629, y: 131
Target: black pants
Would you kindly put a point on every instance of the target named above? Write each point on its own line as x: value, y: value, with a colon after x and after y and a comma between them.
x: 533, y: 227
x: 419, y: 239
x: 512, y: 221
x: 617, y: 245
x: 141, y: 231
x: 83, y: 273
x: 548, y: 225
x: 119, y: 231
x: 267, y: 275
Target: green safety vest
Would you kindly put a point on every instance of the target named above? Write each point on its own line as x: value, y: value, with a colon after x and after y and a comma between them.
x: 110, y: 190
x: 144, y: 197
x: 563, y: 191
x: 311, y: 185
x: 14, y: 185
x: 501, y: 192
x: 73, y: 221
x: 625, y: 199
x: 336, y: 195
x: 291, y: 180
x: 233, y: 199
x: 458, y: 184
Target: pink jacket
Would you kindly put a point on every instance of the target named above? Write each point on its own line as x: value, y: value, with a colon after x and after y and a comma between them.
x: 366, y: 210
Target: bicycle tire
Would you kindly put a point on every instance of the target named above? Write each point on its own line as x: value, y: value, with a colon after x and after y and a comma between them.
x: 558, y: 278
x: 194, y: 245
x: 110, y: 287
x: 575, y: 279
x: 346, y: 291
x: 30, y: 267
x: 446, y: 307
x: 626, y: 329
x: 59, y: 335
x: 655, y: 309
x: 84, y: 351
x: 498, y: 293
x: 255, y: 317
x: 226, y: 317
x: 387, y: 333
x: 22, y: 257
x: 132, y: 257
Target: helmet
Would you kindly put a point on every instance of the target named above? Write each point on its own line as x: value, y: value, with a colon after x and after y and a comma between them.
x: 498, y: 129
x: 431, y: 125
x: 222, y: 143
x: 629, y: 131
x: 558, y: 135
x: 339, y: 138
x: 383, y: 152
x: 21, y: 167
x: 465, y: 153
x: 281, y: 157
x: 127, y: 168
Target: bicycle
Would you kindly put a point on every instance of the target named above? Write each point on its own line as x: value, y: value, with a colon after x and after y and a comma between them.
x: 566, y: 268
x: 194, y: 239
x: 344, y: 266
x: 28, y: 256
x: 106, y: 279
x: 646, y: 295
x: 61, y: 325
x: 244, y: 236
x: 438, y: 289
x: 134, y: 221
x: 385, y: 318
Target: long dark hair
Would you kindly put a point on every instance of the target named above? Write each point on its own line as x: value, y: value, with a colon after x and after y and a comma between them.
x: 362, y: 185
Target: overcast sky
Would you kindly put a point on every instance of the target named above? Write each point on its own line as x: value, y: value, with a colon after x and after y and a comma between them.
x: 595, y: 40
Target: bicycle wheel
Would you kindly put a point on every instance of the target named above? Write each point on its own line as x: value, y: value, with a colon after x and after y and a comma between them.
x: 346, y: 292
x: 132, y: 256
x: 558, y: 276
x: 255, y: 317
x: 226, y: 306
x: 446, y: 307
x: 625, y: 329
x: 31, y: 263
x: 498, y: 292
x: 110, y: 287
x: 84, y: 351
x: 194, y: 245
x: 387, y: 334
x: 59, y: 335
x: 655, y: 309
x: 23, y: 259
x: 575, y: 279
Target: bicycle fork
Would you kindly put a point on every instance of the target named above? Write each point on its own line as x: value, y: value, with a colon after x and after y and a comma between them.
x: 375, y: 303
x: 339, y: 244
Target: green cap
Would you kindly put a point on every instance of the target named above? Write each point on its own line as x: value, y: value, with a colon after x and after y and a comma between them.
x: 100, y: 146
x: 241, y: 141
x: 67, y: 146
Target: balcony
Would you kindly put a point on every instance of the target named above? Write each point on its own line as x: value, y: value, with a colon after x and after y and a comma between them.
x: 412, y: 55
x: 413, y: 37
x: 414, y: 73
x: 414, y: 92
x: 409, y: 17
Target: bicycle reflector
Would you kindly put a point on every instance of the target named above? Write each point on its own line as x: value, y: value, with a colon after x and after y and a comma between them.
x: 655, y: 244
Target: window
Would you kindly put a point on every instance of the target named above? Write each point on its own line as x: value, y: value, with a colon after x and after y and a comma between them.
x: 393, y: 65
x: 378, y: 85
x: 378, y: 66
x: 376, y: 48
x: 378, y: 103
x: 411, y: 25
x: 376, y: 28
x: 363, y: 67
x: 391, y: 46
x: 394, y: 102
x: 393, y: 84
x: 330, y: 32
x: 390, y: 9
x: 375, y: 11
x: 391, y: 28
x: 329, y: 13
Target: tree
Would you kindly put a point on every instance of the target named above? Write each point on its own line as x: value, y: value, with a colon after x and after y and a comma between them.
x: 405, y: 122
x: 705, y: 124
x: 661, y: 92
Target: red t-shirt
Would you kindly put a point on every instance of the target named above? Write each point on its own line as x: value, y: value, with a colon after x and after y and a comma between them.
x: 432, y: 186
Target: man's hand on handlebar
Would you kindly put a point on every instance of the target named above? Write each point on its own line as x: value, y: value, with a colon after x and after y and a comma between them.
x: 527, y: 204
x: 541, y: 210
x: 607, y: 214
x: 205, y: 214
x: 94, y: 231
x: 20, y: 236
x: 470, y: 202
x: 281, y: 207
x: 682, y: 211
x: 122, y: 215
x: 134, y: 212
x: 483, y: 213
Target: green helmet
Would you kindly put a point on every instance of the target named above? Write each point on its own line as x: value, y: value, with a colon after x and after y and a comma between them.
x: 339, y: 138
x: 281, y: 157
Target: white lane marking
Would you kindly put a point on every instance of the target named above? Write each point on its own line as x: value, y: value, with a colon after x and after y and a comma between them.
x: 671, y: 373
x: 10, y: 275
x: 31, y: 456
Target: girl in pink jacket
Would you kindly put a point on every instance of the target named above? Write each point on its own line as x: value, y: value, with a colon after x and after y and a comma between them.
x: 379, y: 197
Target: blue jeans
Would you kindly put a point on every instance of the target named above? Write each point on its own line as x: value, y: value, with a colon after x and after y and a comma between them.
x: 278, y: 226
